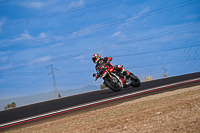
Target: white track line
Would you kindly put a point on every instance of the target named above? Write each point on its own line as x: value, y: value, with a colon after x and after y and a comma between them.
x: 94, y: 103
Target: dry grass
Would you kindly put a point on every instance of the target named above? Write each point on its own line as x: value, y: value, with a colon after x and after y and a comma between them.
x: 170, y: 112
x: 148, y: 78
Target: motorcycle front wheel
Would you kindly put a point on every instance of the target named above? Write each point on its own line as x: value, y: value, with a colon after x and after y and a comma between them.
x: 115, y: 86
x: 135, y: 82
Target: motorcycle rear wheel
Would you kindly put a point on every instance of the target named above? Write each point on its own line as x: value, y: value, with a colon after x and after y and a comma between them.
x: 113, y: 86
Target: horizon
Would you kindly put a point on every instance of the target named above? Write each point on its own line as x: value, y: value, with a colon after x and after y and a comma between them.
x: 149, y: 38
x: 46, y: 96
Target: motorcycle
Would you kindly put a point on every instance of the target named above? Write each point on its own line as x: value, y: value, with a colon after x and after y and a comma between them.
x: 116, y: 80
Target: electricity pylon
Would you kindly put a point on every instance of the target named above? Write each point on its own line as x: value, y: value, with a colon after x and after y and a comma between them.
x: 54, y: 80
x: 165, y: 72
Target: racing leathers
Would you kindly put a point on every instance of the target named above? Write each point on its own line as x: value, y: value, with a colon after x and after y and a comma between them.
x: 105, y: 63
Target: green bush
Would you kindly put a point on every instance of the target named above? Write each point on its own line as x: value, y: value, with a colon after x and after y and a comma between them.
x: 102, y: 86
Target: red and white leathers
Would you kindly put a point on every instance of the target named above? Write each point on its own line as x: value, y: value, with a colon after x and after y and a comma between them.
x: 120, y: 68
x: 105, y: 63
x: 124, y: 71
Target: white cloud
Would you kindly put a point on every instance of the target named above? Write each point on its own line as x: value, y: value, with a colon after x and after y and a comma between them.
x: 23, y: 36
x: 52, y: 5
x: 80, y: 57
x: 86, y: 30
x: 58, y: 45
x: 6, y: 67
x: 143, y: 11
x: 33, y: 5
x: 76, y: 4
x: 116, y: 34
x: 163, y: 39
x: 4, y: 56
x: 39, y: 60
x: 42, y: 35
x: 113, y: 45
x: 43, y: 59
x: 3, y: 19
x: 37, y: 5
x: 27, y: 36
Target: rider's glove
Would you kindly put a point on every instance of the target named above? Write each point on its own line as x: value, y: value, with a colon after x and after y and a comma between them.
x: 97, y: 76
x: 94, y: 74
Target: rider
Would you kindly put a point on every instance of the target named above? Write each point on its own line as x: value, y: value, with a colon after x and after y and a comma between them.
x: 104, y: 63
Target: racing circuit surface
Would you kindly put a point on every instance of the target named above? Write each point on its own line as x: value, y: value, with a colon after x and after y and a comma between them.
x: 68, y: 104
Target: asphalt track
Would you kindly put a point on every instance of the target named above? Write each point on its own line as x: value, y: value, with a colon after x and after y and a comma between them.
x: 46, y: 109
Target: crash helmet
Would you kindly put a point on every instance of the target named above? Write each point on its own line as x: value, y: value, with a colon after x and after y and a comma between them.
x: 96, y: 58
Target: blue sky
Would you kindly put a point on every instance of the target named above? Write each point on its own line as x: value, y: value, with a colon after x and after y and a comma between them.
x: 144, y: 36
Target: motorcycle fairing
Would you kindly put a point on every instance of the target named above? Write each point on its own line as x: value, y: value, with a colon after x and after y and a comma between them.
x: 110, y: 69
x: 104, y: 74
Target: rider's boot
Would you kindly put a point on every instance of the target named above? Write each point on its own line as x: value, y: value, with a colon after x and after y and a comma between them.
x: 128, y: 82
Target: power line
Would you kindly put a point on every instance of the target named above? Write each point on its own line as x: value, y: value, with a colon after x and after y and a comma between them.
x: 75, y: 9
x: 117, y: 44
x: 193, y: 54
x: 119, y: 56
x: 130, y: 41
x: 45, y: 85
x: 173, y: 62
x: 175, y: 6
x: 165, y: 63
x: 57, y: 13
x: 38, y: 85
x: 38, y: 80
x: 23, y: 73
x: 91, y: 71
x: 25, y: 85
x: 151, y: 52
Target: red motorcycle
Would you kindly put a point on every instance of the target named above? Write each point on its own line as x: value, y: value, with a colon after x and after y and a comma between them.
x: 116, y: 80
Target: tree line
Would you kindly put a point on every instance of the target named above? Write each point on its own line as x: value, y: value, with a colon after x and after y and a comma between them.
x: 10, y: 106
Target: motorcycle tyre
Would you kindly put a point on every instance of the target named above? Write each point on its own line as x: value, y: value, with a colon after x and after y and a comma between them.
x: 135, y: 82
x: 107, y: 83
